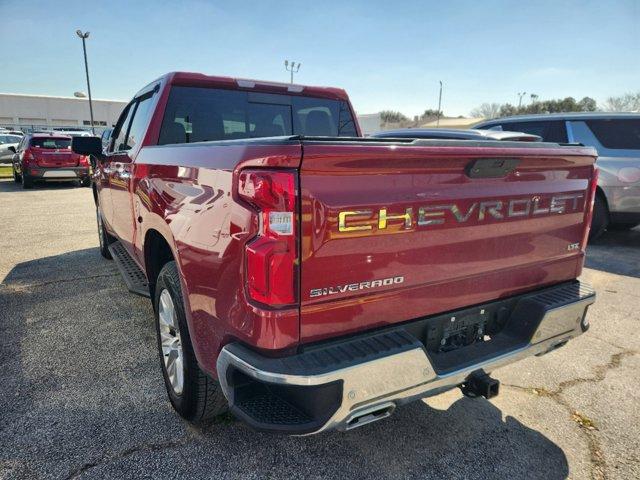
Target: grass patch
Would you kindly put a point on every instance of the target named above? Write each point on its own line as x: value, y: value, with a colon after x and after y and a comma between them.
x: 5, y: 171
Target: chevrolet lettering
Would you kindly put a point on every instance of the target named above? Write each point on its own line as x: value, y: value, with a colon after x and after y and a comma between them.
x: 360, y: 220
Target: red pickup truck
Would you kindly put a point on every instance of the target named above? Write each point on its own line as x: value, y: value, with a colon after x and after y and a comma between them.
x: 307, y: 278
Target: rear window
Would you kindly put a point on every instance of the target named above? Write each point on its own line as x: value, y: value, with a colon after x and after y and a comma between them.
x: 50, y: 142
x: 620, y: 134
x: 196, y: 114
x: 550, y: 131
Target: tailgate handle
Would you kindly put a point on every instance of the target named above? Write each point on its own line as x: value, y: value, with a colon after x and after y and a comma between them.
x: 492, y: 167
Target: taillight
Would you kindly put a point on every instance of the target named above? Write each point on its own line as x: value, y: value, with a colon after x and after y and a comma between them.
x: 83, y: 161
x: 589, y: 213
x: 27, y: 156
x: 271, y: 256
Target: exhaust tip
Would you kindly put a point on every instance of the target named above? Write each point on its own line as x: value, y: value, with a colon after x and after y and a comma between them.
x: 370, y: 415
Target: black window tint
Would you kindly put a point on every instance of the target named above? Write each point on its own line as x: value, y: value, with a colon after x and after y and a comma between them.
x: 617, y: 133
x: 554, y: 131
x: 50, y: 142
x: 267, y: 120
x: 121, y: 129
x: 196, y: 114
x: 139, y: 123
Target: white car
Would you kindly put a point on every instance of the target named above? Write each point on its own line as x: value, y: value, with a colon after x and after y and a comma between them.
x: 6, y: 141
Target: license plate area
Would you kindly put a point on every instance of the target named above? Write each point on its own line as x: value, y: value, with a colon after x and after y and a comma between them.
x: 462, y: 329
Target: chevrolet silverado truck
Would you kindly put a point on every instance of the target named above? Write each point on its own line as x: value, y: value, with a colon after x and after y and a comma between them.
x: 309, y: 279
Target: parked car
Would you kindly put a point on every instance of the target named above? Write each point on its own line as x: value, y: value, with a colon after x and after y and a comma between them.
x: 616, y: 137
x: 46, y: 157
x: 6, y: 141
x: 457, y: 134
x: 308, y: 278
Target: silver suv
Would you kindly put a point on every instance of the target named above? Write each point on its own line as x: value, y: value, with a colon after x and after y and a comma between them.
x: 616, y: 137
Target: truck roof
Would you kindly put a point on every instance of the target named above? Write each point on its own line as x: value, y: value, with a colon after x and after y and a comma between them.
x: 201, y: 80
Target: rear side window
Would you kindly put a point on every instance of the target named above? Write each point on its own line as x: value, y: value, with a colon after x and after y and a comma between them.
x: 195, y: 114
x: 621, y: 134
x: 47, y: 142
x: 550, y: 131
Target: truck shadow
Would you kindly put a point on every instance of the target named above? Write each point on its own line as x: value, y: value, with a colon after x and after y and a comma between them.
x: 616, y: 252
x: 82, y: 393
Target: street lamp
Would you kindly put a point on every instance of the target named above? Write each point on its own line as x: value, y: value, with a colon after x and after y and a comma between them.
x: 520, y: 95
x: 292, y: 67
x: 84, y: 37
x: 439, y: 104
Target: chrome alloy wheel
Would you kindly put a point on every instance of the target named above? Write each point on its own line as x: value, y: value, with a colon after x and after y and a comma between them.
x: 171, y: 343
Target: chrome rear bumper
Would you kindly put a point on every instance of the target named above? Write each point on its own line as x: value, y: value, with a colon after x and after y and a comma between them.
x: 359, y: 380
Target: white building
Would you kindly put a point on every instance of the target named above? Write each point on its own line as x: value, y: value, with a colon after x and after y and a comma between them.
x: 369, y: 122
x: 33, y: 112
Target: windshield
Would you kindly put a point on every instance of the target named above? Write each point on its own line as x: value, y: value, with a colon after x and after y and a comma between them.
x: 50, y: 142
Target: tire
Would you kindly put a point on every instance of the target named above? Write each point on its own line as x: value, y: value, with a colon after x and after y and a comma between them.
x: 27, y: 181
x: 16, y: 177
x: 600, y: 220
x: 193, y: 394
x: 103, y: 236
x: 85, y: 182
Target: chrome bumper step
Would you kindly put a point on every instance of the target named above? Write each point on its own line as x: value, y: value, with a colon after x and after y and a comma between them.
x: 354, y: 381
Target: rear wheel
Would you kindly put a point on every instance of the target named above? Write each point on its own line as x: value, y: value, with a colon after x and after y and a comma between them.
x: 104, y: 237
x: 600, y: 220
x: 27, y: 181
x: 194, y: 395
x: 85, y: 182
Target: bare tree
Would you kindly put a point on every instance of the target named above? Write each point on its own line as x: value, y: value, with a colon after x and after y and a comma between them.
x: 486, y: 110
x: 629, y: 102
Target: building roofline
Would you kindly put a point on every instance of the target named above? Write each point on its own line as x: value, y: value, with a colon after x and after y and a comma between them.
x: 60, y: 97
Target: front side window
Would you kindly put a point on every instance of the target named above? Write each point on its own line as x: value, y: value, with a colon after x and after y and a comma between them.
x: 196, y: 114
x: 139, y: 123
x: 619, y: 134
x: 50, y: 142
x: 120, y: 132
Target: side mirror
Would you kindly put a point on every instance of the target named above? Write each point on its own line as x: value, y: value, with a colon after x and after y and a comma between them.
x: 87, y: 146
x: 12, y: 149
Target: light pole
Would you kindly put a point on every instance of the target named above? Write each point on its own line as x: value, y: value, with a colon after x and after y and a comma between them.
x: 439, y: 105
x: 292, y: 67
x: 520, y: 95
x: 84, y: 37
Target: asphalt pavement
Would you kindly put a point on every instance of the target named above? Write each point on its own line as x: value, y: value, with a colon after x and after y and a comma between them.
x: 81, y: 393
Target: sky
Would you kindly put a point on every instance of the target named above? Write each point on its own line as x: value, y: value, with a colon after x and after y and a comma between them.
x: 386, y: 54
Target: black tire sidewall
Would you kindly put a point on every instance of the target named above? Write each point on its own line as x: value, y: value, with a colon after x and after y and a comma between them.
x: 600, y: 219
x: 27, y: 182
x: 103, y: 237
x: 185, y: 403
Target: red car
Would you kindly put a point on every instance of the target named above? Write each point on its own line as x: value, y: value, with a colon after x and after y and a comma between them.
x: 46, y: 157
x: 307, y: 278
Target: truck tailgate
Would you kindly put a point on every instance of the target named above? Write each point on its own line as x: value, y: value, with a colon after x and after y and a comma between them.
x: 392, y: 233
